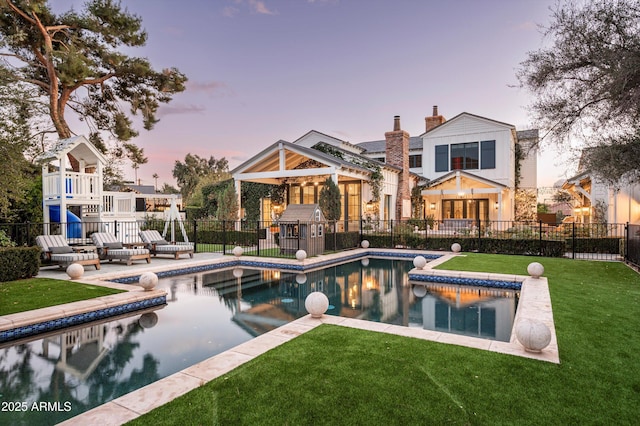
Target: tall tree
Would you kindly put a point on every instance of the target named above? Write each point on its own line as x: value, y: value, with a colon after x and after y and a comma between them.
x: 75, y: 61
x: 18, y: 176
x: 195, y: 168
x: 329, y: 200
x: 587, y: 82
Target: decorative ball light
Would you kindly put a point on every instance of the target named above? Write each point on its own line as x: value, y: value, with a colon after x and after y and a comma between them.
x: 365, y: 261
x: 533, y: 334
x: 301, y: 278
x: 148, y: 320
x: 419, y: 262
x: 419, y: 290
x: 316, y: 304
x: 237, y: 272
x: 456, y: 247
x: 364, y: 244
x: 75, y: 271
x: 301, y: 255
x: 535, y: 269
x: 237, y: 251
x: 148, y: 280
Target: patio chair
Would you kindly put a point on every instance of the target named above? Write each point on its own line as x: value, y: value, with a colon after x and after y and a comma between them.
x: 56, y: 249
x: 158, y: 245
x: 109, y: 248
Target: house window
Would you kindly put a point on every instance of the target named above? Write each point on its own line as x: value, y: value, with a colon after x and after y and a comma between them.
x: 488, y: 154
x: 380, y: 159
x: 464, y: 156
x: 442, y: 158
x: 415, y: 161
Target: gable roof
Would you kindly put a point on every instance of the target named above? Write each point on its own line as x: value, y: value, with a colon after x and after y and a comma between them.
x: 268, y: 160
x: 452, y: 175
x: 341, y: 141
x: 452, y: 121
x: 380, y: 146
x: 301, y: 212
x: 78, y: 146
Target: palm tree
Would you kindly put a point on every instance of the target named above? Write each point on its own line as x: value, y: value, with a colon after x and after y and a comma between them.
x: 155, y: 176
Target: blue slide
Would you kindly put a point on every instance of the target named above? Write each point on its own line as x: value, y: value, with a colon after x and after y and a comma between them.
x: 74, y: 229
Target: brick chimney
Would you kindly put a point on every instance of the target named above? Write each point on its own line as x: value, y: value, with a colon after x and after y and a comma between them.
x: 397, y: 154
x: 435, y: 120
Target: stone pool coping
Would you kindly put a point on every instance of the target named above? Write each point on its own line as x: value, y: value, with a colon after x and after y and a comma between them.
x: 535, y: 302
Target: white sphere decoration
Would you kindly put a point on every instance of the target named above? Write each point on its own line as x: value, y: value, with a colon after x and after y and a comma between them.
x: 534, y: 335
x: 237, y: 251
x: 301, y: 255
x: 535, y: 269
x: 237, y: 272
x: 75, y: 271
x: 301, y: 278
x: 419, y: 262
x: 365, y: 261
x: 455, y: 247
x: 364, y: 244
x: 419, y: 290
x: 148, y: 280
x: 148, y: 320
x: 316, y: 304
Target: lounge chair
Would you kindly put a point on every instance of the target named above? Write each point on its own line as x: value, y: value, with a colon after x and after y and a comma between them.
x: 158, y: 245
x: 56, y: 249
x: 109, y: 248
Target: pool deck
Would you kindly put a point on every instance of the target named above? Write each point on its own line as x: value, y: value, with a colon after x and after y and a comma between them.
x: 535, y: 302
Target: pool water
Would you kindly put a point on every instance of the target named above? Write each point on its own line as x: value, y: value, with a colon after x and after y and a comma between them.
x: 209, y: 313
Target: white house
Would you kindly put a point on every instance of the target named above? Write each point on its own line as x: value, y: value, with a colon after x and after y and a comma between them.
x: 596, y: 201
x: 470, y: 164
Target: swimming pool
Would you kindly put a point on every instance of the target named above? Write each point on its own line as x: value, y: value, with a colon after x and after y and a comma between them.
x: 206, y: 314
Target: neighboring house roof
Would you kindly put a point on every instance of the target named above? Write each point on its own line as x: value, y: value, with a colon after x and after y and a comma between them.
x: 463, y: 114
x: 142, y: 189
x: 380, y: 146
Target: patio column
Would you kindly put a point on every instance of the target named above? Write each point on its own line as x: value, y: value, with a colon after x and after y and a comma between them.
x: 238, y: 185
x: 500, y: 205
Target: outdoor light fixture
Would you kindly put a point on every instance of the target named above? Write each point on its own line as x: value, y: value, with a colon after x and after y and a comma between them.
x: 496, y: 205
x: 433, y: 206
x: 369, y: 206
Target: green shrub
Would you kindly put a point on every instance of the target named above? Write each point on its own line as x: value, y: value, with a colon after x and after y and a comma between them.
x: 342, y: 240
x: 19, y: 262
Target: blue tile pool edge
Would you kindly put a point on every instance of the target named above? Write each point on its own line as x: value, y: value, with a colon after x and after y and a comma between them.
x: 77, y: 319
x: 470, y: 281
x: 277, y: 265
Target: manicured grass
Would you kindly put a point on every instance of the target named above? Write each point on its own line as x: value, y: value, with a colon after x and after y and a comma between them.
x: 35, y: 293
x: 335, y: 375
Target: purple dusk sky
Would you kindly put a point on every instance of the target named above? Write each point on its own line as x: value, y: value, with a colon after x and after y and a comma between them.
x: 264, y: 70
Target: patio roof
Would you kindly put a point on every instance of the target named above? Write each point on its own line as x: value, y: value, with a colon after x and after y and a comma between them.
x: 284, y: 160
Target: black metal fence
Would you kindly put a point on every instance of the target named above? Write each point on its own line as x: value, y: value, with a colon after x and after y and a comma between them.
x: 574, y: 240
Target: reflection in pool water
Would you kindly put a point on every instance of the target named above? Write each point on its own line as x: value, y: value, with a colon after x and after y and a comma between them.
x: 208, y: 313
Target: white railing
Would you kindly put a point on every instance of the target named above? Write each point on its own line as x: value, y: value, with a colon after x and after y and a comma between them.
x: 84, y: 186
x: 116, y: 204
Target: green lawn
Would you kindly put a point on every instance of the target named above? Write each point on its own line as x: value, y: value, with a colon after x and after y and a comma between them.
x: 335, y: 375
x: 35, y: 293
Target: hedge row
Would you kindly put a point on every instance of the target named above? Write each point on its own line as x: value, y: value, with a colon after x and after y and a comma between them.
x: 551, y: 248
x: 341, y: 240
x: 19, y: 262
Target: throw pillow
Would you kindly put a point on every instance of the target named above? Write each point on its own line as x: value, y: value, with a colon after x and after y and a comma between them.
x: 60, y: 250
x: 114, y: 245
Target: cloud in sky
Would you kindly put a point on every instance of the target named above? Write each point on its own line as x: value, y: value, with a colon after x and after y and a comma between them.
x: 177, y: 108
x: 211, y: 88
x: 255, y: 6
